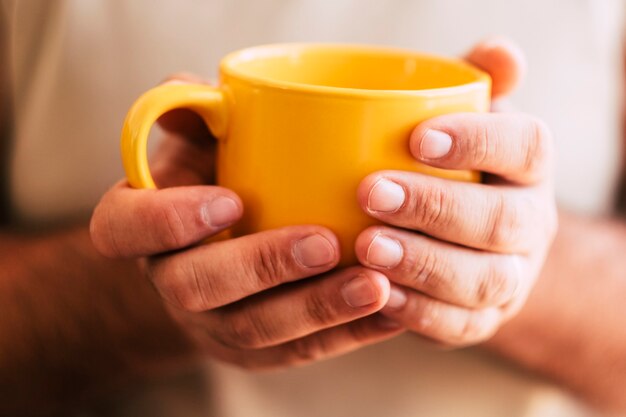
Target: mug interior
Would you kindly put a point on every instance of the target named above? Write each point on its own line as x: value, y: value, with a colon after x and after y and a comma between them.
x: 349, y: 67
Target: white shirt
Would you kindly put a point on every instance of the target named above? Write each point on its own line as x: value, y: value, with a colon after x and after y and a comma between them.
x: 77, y: 65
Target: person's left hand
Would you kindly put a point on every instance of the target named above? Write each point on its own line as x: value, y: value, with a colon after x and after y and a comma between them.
x: 464, y: 256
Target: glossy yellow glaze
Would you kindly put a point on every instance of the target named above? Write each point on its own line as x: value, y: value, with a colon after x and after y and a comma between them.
x: 300, y: 125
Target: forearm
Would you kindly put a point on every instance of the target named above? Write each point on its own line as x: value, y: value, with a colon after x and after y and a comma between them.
x: 572, y: 328
x: 72, y: 321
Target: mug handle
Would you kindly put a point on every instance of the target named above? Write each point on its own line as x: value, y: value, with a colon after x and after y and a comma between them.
x: 206, y: 101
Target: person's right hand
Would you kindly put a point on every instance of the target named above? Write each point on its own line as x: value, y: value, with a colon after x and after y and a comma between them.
x: 256, y: 301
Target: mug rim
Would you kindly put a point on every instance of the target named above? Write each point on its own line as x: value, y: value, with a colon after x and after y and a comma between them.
x: 229, y: 66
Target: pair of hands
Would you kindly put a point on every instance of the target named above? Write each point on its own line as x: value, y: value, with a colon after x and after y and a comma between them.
x: 452, y: 262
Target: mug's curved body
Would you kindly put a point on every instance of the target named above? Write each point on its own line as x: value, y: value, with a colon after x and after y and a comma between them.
x: 300, y: 125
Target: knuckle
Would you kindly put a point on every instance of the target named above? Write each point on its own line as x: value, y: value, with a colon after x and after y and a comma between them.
x: 166, y: 280
x: 246, y: 332
x: 102, y: 233
x: 309, y: 349
x: 203, y: 293
x: 537, y: 148
x: 268, y: 265
x: 453, y: 326
x: 425, y: 269
x: 429, y: 317
x: 174, y: 226
x: 106, y: 230
x: 183, y: 284
x: 506, y: 222
x: 483, y: 146
x: 358, y: 332
x: 320, y: 310
x: 473, y: 328
x: 430, y: 208
x: 496, y: 285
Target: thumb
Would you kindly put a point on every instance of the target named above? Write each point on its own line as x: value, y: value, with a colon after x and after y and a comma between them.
x: 503, y: 60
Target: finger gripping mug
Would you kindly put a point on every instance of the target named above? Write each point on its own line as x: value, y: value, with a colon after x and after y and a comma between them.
x: 300, y: 125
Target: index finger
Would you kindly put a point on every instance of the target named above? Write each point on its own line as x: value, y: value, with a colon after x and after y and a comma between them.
x: 129, y: 223
x: 514, y: 146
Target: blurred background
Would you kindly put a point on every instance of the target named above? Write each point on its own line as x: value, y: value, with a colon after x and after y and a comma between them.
x: 71, y: 69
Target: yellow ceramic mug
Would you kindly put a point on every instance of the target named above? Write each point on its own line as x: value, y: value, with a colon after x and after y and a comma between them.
x: 300, y: 125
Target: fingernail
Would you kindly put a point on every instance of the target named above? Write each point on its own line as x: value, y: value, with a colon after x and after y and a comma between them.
x: 313, y: 251
x: 359, y: 292
x: 385, y: 196
x: 397, y: 298
x: 435, y: 144
x: 384, y: 252
x: 220, y: 212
